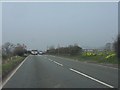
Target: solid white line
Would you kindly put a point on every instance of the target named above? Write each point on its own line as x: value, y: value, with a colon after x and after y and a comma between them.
x: 14, y: 72
x: 58, y: 63
x: 91, y: 78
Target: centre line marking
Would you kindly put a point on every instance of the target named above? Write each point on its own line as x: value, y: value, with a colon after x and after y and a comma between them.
x: 91, y: 78
x: 50, y: 60
x: 58, y: 63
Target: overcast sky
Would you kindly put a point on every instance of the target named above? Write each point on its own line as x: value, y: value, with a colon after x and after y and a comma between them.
x: 0, y: 24
x: 38, y: 25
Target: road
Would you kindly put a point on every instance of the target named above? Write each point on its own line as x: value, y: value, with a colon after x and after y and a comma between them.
x: 46, y: 71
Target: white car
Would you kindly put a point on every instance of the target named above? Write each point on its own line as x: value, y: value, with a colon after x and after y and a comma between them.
x: 34, y: 52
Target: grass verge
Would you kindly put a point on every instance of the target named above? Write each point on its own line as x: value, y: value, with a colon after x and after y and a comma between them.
x: 93, y: 59
x: 10, y: 65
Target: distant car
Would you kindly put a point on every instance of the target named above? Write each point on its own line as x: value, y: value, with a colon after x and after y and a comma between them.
x: 40, y: 52
x: 34, y: 52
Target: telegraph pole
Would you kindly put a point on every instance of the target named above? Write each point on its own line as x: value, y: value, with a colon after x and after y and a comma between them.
x: 58, y: 49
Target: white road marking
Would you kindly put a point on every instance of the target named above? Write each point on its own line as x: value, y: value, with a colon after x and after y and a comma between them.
x: 91, y: 78
x: 50, y: 60
x: 58, y: 63
x: 88, y: 63
x: 14, y: 72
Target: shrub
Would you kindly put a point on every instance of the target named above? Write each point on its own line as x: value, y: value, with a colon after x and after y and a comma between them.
x: 110, y: 56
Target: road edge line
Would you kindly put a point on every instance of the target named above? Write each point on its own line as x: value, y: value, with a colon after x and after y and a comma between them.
x: 13, y: 72
x: 87, y: 62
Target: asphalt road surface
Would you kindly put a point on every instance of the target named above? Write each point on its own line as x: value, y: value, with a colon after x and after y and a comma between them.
x: 46, y: 71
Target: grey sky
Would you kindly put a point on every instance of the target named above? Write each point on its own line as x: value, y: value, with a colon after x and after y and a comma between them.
x: 65, y: 0
x: 39, y: 25
x: 0, y: 24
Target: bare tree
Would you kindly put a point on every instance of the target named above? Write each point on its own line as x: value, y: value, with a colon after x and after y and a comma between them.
x: 7, y: 49
x: 20, y: 50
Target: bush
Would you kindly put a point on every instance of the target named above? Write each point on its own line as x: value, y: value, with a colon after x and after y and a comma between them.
x: 4, y: 56
x: 110, y: 56
x: 88, y: 54
x: 20, y: 51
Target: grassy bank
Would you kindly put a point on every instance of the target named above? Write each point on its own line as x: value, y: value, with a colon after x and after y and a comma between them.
x: 102, y: 57
x: 10, y: 64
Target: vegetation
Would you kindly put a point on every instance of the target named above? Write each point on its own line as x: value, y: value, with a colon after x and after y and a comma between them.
x: 9, y: 65
x: 117, y: 45
x: 12, y: 55
x: 76, y: 52
x: 70, y: 50
x: 20, y: 50
x: 101, y: 57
